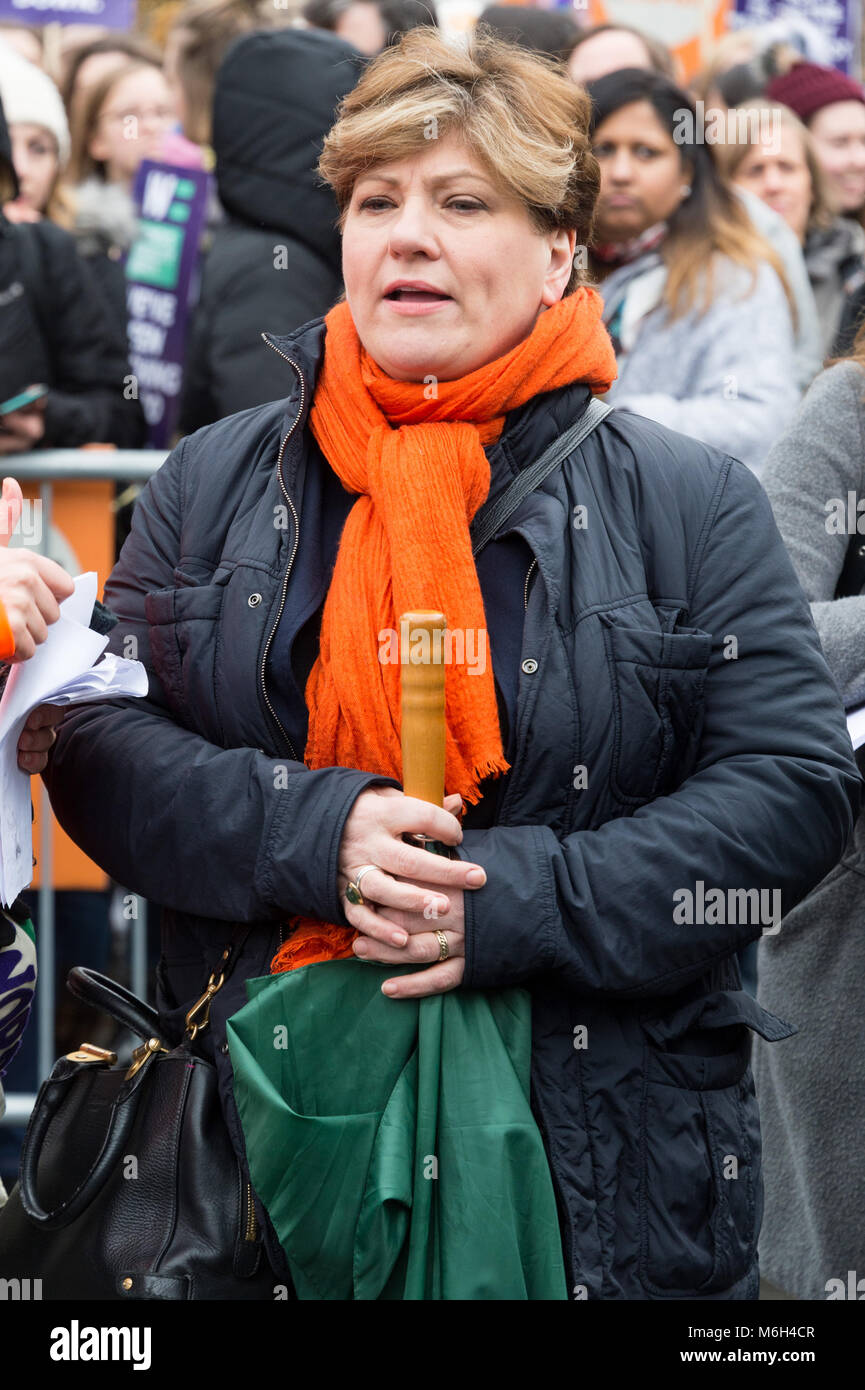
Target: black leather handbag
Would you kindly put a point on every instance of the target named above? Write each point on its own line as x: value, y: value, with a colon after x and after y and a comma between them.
x: 129, y: 1187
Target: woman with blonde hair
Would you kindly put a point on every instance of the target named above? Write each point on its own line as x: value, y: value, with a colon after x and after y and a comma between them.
x: 607, y: 752
x: 778, y: 162
x: 682, y: 270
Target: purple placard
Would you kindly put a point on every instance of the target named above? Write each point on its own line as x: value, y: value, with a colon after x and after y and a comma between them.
x: 113, y: 14
x: 160, y: 267
x: 837, y: 20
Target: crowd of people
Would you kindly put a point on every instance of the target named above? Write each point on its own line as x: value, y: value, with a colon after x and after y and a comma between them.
x: 725, y: 240
x: 743, y: 205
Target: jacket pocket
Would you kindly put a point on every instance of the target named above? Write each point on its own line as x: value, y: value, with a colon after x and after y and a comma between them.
x: 183, y: 630
x: 701, y: 1189
x: 658, y: 679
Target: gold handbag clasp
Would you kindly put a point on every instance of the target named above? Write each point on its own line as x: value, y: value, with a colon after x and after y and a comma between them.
x: 194, y: 1023
x: 143, y: 1054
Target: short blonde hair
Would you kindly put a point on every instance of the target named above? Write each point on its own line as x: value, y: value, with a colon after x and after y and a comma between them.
x: 518, y: 112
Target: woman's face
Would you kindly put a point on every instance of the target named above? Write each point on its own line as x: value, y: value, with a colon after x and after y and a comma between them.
x: 36, y: 160
x: 838, y: 131
x: 777, y: 171
x: 137, y: 113
x: 481, y: 271
x: 642, y: 173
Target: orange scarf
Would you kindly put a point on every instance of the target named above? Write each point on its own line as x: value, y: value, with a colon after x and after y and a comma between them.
x: 414, y: 452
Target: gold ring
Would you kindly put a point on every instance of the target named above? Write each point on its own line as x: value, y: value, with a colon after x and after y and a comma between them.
x: 353, y: 890
x: 444, y: 948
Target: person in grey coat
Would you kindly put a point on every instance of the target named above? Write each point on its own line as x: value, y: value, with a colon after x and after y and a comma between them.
x: 812, y: 1090
x: 695, y: 299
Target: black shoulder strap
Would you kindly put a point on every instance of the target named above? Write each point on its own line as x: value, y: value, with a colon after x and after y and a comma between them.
x: 493, y: 514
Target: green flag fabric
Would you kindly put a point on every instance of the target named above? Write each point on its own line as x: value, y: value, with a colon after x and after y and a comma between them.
x: 392, y: 1141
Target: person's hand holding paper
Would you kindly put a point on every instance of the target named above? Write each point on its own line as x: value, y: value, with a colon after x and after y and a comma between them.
x: 31, y: 586
x: 62, y: 671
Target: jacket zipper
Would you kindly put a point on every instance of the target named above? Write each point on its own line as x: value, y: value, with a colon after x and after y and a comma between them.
x: 273, y: 713
x: 293, y: 509
x: 251, y: 1222
x: 528, y: 577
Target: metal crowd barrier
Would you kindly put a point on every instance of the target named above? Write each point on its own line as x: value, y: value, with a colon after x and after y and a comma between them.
x: 47, y: 466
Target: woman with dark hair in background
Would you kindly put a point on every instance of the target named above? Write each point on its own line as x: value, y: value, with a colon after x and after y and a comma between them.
x: 695, y: 300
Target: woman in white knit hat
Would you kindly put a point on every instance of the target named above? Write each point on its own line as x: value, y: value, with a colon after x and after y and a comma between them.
x: 40, y: 140
x: 99, y: 213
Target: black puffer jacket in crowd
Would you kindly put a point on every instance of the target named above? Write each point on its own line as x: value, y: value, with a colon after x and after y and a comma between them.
x: 275, y: 263
x: 667, y: 651
x: 54, y: 329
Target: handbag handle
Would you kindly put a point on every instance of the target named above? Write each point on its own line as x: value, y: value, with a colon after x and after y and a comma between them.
x: 133, y: 1013
x: 126, y: 1008
x: 51, y: 1096
x: 122, y: 1005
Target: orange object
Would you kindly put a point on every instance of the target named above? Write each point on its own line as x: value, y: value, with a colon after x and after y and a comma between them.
x: 7, y: 641
x: 415, y: 456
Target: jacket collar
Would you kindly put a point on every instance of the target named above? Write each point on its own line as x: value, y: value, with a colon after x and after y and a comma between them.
x: 528, y: 430
x: 305, y: 349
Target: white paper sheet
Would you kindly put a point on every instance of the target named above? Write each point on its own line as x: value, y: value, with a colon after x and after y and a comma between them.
x: 856, y: 726
x: 62, y: 671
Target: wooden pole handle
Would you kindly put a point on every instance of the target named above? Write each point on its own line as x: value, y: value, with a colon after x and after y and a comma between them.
x: 421, y: 644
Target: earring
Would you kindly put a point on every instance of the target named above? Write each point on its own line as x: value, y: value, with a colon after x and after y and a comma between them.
x: 685, y: 190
